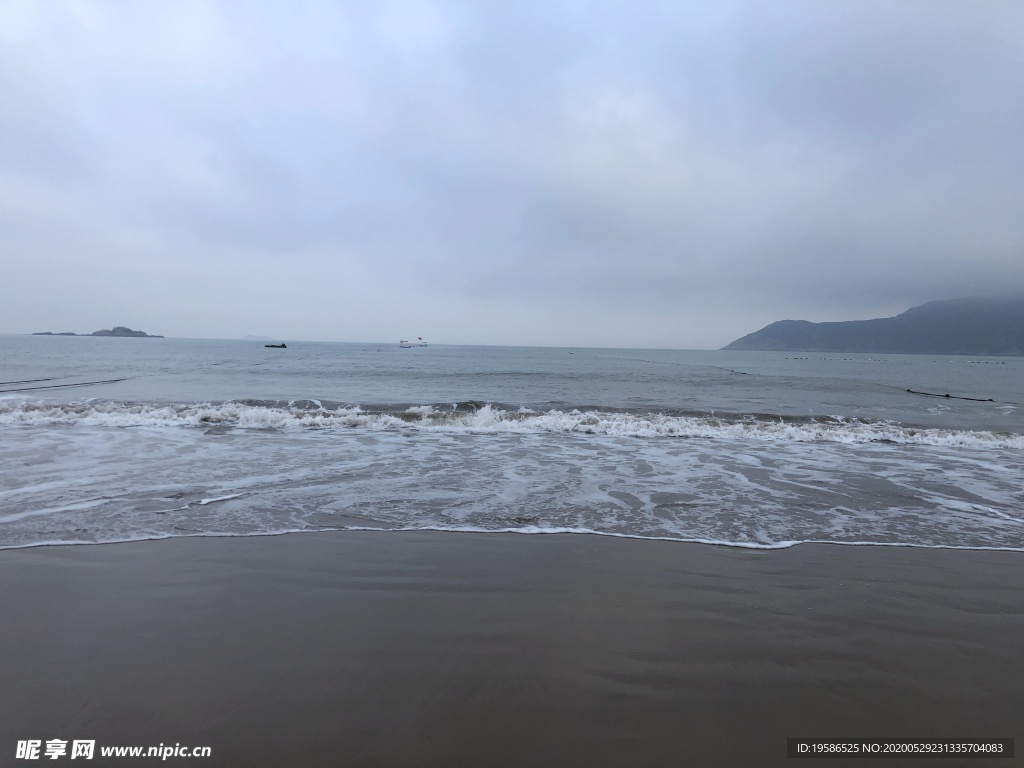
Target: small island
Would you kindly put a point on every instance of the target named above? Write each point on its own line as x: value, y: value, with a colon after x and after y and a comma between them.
x: 117, y: 330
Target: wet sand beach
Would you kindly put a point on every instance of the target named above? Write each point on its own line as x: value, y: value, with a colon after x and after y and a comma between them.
x: 458, y: 649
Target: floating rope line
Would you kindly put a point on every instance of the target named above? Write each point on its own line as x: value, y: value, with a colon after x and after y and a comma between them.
x: 671, y: 362
x: 955, y: 397
x: 28, y: 381
x: 730, y: 370
x: 62, y: 386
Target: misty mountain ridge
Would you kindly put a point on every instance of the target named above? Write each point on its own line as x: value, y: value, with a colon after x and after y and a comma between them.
x: 970, y: 326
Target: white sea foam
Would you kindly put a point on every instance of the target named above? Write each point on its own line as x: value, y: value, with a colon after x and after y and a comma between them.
x: 97, y: 484
x: 45, y: 511
x: 491, y: 419
x: 204, y: 502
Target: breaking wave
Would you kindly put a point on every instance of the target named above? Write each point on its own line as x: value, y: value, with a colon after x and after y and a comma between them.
x: 482, y: 418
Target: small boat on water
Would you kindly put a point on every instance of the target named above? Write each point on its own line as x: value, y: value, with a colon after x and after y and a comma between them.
x: 276, y: 346
x: 410, y: 344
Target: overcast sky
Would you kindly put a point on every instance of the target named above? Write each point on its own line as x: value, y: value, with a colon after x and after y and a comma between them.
x: 646, y: 174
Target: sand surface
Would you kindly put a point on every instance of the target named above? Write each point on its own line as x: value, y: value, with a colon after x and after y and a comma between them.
x: 443, y: 649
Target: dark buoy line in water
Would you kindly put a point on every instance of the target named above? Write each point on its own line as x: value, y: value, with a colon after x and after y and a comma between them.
x: 64, y: 386
x: 954, y: 397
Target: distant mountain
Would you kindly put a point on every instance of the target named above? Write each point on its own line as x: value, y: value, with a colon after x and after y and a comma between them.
x: 117, y: 330
x: 953, y: 327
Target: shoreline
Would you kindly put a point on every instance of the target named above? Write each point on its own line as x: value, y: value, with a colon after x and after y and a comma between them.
x: 441, y: 648
x: 747, y: 546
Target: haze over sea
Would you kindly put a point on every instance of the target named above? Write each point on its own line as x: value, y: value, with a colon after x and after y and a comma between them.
x: 749, y: 449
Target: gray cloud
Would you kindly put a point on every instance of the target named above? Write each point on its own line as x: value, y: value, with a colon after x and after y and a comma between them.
x: 535, y: 173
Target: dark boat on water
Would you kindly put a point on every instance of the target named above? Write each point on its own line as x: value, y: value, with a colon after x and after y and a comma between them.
x: 276, y: 346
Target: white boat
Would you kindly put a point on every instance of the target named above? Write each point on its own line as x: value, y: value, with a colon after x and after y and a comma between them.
x: 410, y: 344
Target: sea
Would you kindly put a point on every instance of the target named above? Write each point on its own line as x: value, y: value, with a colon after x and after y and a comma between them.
x: 124, y: 439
